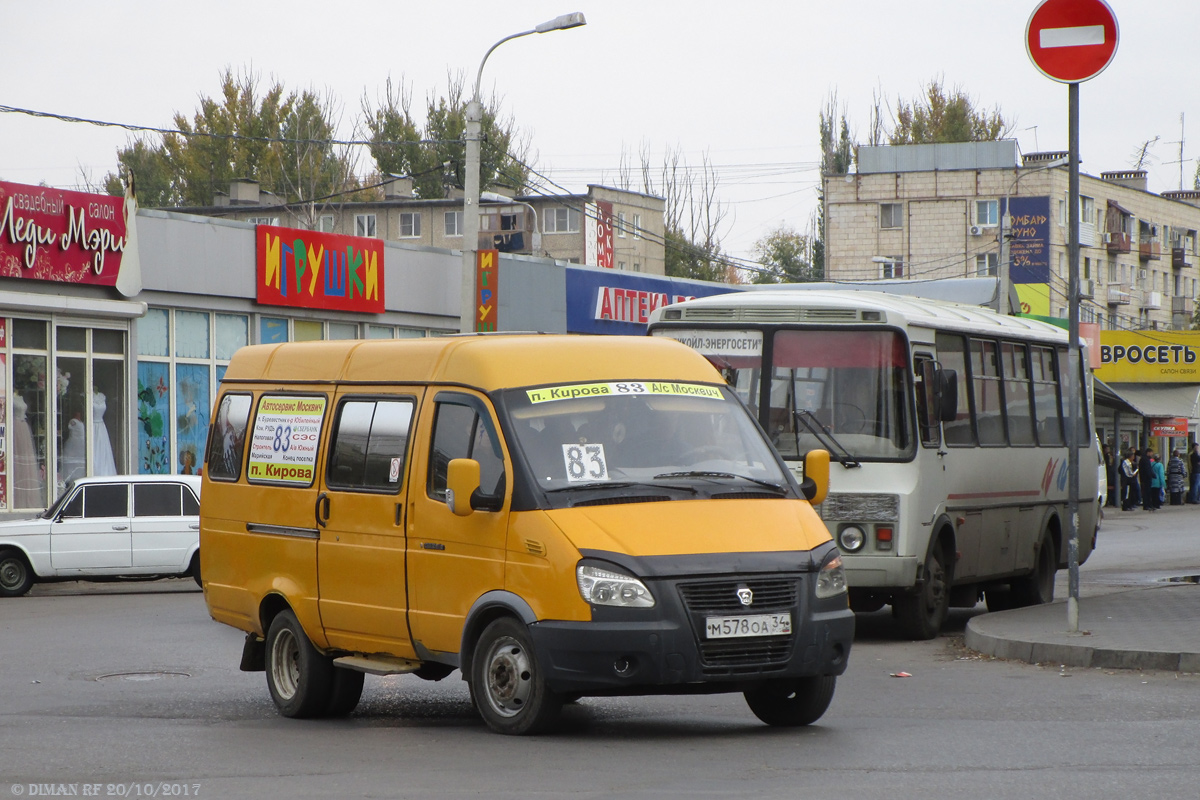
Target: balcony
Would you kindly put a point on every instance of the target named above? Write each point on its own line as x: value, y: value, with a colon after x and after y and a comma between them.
x: 1118, y: 294
x: 1150, y: 250
x: 1183, y: 305
x: 1179, y: 258
x: 1087, y: 288
x: 1118, y: 242
x: 1152, y: 301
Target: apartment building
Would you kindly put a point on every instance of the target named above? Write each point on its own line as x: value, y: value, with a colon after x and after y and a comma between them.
x: 603, y: 227
x: 922, y: 212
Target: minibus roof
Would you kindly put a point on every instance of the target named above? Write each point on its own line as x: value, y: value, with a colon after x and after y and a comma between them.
x: 488, y: 362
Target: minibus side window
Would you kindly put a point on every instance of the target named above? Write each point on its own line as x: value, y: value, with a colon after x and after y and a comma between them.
x: 369, y: 444
x: 460, y: 431
x: 228, y: 437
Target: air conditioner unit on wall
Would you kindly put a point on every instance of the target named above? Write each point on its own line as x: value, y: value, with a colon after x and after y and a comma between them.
x: 976, y: 230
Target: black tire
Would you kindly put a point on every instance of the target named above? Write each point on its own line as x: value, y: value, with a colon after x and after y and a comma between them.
x: 1037, y: 588
x: 194, y: 569
x: 790, y: 703
x: 921, y: 615
x: 507, y: 687
x: 346, y: 692
x: 299, y: 678
x: 16, y: 578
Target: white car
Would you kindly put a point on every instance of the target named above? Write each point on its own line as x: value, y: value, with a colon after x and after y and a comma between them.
x: 106, y: 528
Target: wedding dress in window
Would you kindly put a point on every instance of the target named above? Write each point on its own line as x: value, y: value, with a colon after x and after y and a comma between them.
x: 27, y: 478
x: 103, y: 462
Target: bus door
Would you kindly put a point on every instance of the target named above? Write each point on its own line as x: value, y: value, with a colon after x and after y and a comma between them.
x: 932, y: 465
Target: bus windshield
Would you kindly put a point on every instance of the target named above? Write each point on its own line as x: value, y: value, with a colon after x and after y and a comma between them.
x: 856, y: 385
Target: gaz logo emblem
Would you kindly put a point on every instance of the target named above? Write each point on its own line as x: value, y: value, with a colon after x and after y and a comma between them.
x: 745, y: 596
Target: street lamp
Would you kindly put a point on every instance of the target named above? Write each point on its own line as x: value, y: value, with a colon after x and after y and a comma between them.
x: 496, y: 197
x: 472, y: 138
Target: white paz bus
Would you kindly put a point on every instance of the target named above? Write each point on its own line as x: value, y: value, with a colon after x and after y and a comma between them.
x: 949, y: 424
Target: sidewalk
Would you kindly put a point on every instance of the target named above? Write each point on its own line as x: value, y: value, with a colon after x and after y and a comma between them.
x: 1152, y: 625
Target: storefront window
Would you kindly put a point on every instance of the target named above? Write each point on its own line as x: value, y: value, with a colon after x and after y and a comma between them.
x: 70, y: 380
x: 380, y: 332
x: 27, y: 478
x: 343, y: 330
x: 154, y: 418
x: 307, y: 330
x: 409, y: 333
x: 152, y: 333
x: 191, y: 334
x: 192, y: 404
x: 233, y: 331
x: 89, y: 411
x: 272, y: 330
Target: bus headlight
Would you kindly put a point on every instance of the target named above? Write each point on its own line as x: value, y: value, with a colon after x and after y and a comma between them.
x: 851, y: 538
x: 831, y: 580
x: 606, y: 588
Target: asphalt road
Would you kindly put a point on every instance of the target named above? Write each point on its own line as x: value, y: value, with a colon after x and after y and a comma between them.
x: 133, y: 691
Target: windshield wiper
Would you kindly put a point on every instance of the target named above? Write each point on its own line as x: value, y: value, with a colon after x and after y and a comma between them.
x: 617, y: 485
x: 704, y: 473
x: 826, y: 438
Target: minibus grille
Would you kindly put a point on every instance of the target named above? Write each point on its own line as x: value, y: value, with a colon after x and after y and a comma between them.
x: 720, y: 597
x: 745, y: 656
x: 752, y: 495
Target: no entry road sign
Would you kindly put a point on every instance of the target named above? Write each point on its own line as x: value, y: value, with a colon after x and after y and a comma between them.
x: 1071, y: 40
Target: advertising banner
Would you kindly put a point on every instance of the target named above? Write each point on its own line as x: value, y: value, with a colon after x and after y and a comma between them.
x: 57, y: 235
x: 283, y: 448
x: 311, y: 269
x: 1149, y: 357
x: 621, y: 303
x: 487, y: 289
x: 1168, y: 426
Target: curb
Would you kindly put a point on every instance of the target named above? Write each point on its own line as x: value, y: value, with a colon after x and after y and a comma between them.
x: 1077, y: 655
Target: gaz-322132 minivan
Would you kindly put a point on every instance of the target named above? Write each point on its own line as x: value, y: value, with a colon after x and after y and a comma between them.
x: 555, y: 516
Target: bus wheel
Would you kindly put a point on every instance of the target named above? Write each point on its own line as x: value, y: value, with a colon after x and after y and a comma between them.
x: 790, y: 703
x: 1037, y: 588
x: 299, y: 677
x: 345, y: 692
x: 506, y: 681
x: 921, y: 615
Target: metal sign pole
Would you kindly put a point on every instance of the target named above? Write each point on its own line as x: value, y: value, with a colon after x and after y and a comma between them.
x: 1073, y: 361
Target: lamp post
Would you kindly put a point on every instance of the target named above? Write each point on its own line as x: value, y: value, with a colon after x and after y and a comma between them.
x: 472, y: 137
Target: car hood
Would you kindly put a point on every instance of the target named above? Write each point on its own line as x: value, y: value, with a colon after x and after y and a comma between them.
x: 20, y: 527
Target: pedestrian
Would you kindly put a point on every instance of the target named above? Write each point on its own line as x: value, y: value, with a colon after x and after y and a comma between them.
x: 1129, y: 482
x: 1194, y: 458
x: 1158, y: 482
x: 1110, y: 474
x: 1146, y: 478
x: 1177, y: 478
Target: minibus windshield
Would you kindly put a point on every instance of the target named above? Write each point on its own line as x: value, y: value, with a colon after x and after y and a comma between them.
x: 613, y: 435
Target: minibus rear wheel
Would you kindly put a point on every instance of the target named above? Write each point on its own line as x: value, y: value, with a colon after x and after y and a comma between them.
x: 299, y: 677
x: 506, y: 683
x: 790, y: 703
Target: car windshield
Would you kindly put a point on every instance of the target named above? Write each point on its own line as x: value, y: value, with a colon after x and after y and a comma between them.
x: 52, y: 511
x: 690, y: 436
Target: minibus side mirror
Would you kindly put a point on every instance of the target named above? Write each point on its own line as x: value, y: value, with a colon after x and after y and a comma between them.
x: 462, y: 481
x: 946, y: 394
x: 816, y: 476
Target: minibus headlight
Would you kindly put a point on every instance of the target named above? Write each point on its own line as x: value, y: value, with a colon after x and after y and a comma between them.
x: 851, y: 538
x: 831, y: 580
x: 603, y: 587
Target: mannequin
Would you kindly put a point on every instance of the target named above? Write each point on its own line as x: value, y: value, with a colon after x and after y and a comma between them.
x: 27, y: 479
x: 103, y: 462
x: 74, y: 455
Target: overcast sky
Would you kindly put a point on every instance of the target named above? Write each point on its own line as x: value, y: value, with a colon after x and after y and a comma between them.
x: 739, y: 83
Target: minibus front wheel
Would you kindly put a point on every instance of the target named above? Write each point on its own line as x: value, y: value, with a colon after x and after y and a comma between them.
x: 506, y: 683
x: 790, y: 703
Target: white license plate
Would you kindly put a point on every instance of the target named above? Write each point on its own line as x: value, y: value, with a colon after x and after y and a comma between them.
x: 748, y: 625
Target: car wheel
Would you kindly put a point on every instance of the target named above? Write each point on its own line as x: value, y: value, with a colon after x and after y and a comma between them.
x: 506, y: 681
x: 16, y: 578
x: 194, y: 569
x: 791, y: 703
x: 299, y: 677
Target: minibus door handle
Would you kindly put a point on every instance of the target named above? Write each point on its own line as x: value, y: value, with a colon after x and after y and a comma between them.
x: 322, y: 510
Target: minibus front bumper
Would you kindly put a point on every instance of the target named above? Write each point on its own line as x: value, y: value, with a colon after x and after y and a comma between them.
x: 665, y: 649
